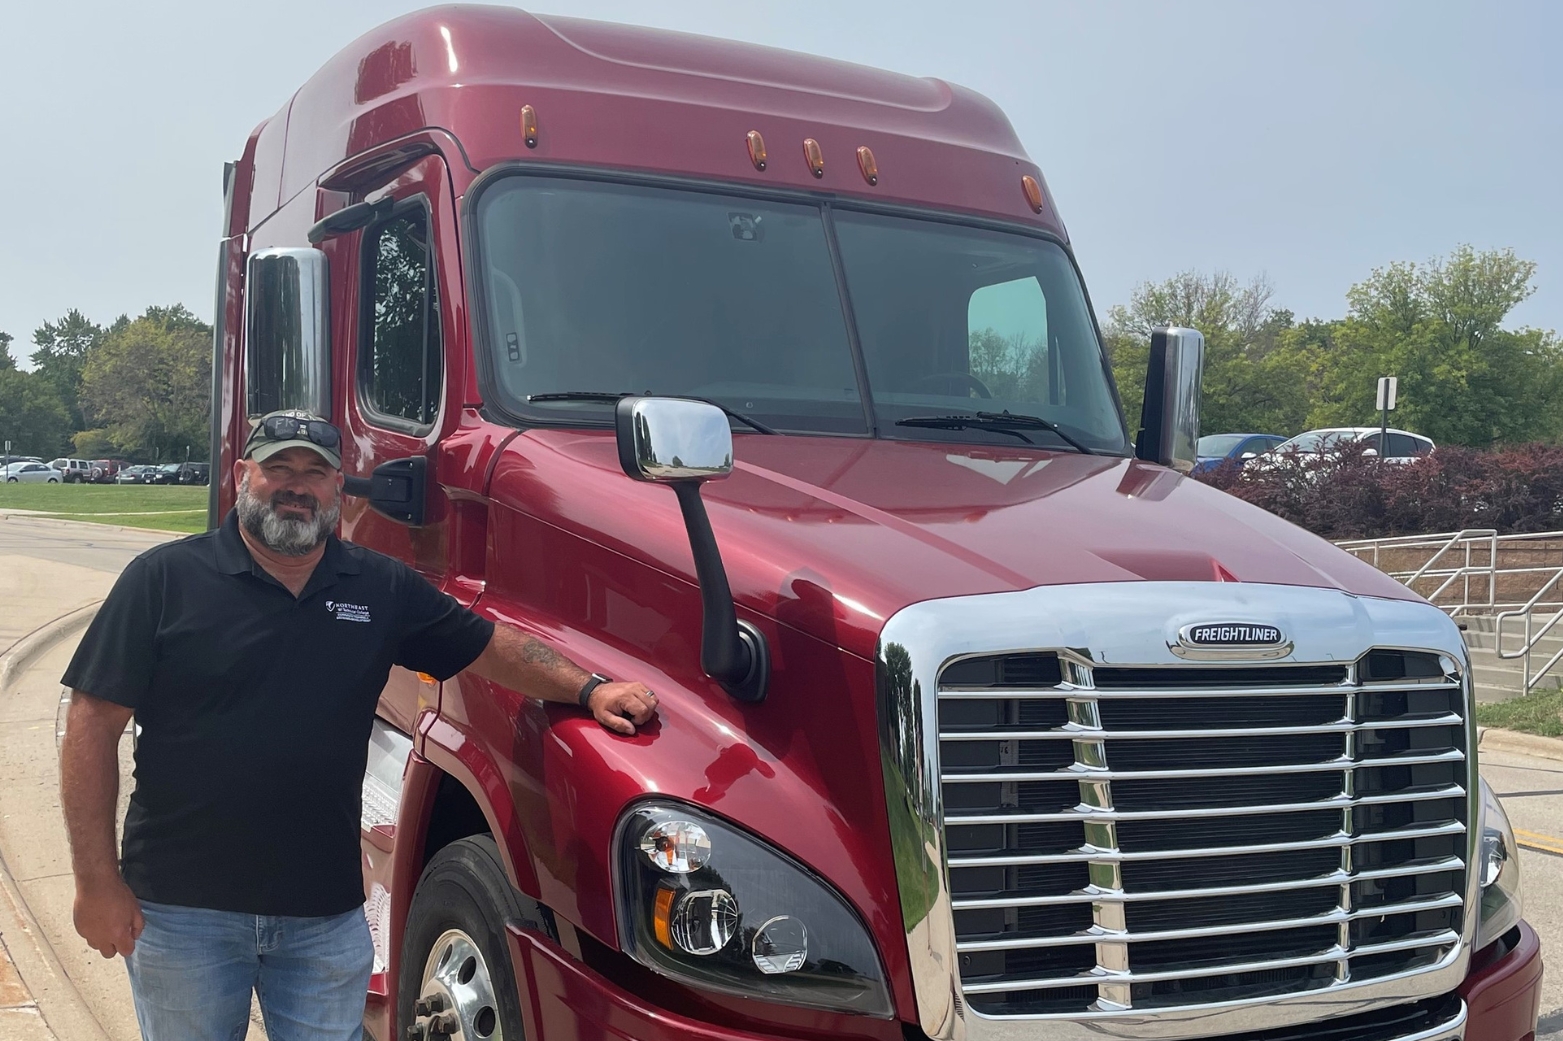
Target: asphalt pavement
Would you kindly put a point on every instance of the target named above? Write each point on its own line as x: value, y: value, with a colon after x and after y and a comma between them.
x: 53, y: 988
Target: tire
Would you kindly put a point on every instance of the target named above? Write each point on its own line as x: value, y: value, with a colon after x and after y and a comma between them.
x: 454, y: 945
x: 10, y: 480
x: 54, y: 480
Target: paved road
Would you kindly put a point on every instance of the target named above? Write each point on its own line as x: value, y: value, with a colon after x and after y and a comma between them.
x: 1531, y: 789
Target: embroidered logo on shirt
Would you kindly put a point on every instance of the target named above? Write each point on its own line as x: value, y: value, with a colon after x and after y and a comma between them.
x: 348, y: 612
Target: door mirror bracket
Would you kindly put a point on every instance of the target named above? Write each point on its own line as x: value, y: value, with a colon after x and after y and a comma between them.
x: 396, y: 489
x: 685, y: 443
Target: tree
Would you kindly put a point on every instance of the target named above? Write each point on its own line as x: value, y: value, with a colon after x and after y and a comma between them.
x: 6, y: 361
x: 1250, y: 379
x: 147, y: 384
x: 1464, y: 380
x: 32, y: 417
x: 61, y: 354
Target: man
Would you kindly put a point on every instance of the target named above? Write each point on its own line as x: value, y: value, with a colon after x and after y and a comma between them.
x: 252, y: 657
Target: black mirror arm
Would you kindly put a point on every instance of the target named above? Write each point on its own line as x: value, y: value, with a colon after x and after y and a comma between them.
x: 349, y: 218
x: 732, y: 652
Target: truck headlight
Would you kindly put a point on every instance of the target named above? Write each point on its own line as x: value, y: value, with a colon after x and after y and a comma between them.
x: 708, y: 904
x: 1498, y: 870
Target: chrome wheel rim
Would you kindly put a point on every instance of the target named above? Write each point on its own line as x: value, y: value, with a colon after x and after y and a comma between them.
x: 457, y: 999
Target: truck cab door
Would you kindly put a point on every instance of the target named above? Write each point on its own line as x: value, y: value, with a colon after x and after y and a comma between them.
x: 403, y: 378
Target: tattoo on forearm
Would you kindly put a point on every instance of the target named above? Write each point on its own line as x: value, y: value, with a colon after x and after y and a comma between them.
x: 536, y: 652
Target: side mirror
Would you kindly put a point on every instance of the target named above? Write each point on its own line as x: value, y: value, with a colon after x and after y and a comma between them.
x: 287, y: 331
x: 1250, y: 455
x: 685, y: 443
x: 1169, y: 419
x: 1370, y: 453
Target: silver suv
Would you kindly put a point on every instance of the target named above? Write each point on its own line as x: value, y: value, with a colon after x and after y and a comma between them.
x: 74, y: 471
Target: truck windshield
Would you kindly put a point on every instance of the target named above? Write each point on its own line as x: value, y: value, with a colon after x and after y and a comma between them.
x: 614, y: 288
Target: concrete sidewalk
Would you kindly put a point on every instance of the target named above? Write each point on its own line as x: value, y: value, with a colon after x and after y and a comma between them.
x: 47, y: 605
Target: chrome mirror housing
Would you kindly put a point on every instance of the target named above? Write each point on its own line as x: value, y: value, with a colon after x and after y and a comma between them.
x: 287, y: 331
x: 673, y: 440
x: 1169, y: 419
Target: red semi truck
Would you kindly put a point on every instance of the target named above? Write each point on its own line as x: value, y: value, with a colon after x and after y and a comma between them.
x: 979, y: 719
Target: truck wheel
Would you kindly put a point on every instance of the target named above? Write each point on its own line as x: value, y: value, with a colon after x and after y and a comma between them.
x: 456, y: 977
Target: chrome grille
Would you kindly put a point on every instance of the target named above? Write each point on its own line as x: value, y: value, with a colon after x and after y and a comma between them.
x: 1152, y: 838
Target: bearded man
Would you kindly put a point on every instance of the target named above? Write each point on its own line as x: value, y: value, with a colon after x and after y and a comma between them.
x: 252, y: 657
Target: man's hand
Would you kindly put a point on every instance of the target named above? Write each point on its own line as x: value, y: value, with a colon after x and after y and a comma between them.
x: 621, y: 707
x: 108, y: 916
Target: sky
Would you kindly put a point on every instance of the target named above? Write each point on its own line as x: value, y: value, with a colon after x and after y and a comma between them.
x: 1306, y: 140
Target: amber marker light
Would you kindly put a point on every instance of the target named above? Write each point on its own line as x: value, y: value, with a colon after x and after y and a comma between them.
x: 1033, y: 190
x: 662, y: 917
x: 865, y: 162
x: 756, y: 150
x: 529, y: 125
x: 816, y: 158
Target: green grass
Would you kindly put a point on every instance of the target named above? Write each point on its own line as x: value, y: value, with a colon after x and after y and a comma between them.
x: 1539, y: 712
x: 160, y: 507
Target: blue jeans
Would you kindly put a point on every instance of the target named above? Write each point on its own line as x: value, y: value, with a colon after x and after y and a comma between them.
x: 192, y: 971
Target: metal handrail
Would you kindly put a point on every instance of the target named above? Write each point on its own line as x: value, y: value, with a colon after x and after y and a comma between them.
x: 1541, y: 615
x: 1531, y: 639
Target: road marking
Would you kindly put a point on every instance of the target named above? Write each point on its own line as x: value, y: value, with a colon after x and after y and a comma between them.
x: 1537, y: 841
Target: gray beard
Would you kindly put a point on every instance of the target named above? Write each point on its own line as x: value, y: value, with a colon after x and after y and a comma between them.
x: 289, y: 536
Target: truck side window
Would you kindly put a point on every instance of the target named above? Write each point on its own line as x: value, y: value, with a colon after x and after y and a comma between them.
x: 400, y: 360
x: 1006, y: 330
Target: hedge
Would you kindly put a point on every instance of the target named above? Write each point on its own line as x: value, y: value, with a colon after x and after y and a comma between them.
x: 1351, y: 495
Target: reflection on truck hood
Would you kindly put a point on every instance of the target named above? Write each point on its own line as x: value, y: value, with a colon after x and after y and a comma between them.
x: 837, y: 534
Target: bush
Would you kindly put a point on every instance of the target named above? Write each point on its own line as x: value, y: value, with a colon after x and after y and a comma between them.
x: 1352, y: 495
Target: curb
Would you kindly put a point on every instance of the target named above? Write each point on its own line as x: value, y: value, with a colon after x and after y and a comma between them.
x: 23, y: 652
x: 1492, y: 739
x: 64, y: 1012
x: 47, y: 518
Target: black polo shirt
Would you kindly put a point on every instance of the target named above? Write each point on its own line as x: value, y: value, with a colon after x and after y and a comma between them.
x: 255, y: 710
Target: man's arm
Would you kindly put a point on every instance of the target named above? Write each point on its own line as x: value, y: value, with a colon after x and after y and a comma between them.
x: 526, y: 664
x: 107, y: 914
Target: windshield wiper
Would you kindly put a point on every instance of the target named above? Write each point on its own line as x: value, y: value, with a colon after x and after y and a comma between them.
x: 1005, y: 422
x: 609, y: 397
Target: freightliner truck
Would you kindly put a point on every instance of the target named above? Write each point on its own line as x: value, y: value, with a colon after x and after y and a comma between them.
x: 772, y: 381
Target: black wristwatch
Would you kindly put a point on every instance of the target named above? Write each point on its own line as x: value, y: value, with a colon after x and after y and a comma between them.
x: 597, y: 680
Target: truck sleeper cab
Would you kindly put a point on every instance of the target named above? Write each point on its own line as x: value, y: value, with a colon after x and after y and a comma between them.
x: 978, y: 720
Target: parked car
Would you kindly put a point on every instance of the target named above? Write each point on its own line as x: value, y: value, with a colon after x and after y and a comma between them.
x: 1215, y: 449
x: 134, y: 474
x: 74, y: 471
x: 1403, y: 446
x: 168, y: 473
x: 194, y: 473
x: 32, y: 473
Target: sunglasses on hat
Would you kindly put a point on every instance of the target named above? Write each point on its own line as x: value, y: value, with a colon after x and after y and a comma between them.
x: 289, y: 428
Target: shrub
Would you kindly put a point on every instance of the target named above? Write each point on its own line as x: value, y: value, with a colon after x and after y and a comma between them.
x: 1352, y: 495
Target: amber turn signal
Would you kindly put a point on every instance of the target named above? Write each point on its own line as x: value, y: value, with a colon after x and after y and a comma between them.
x: 662, y: 917
x: 1033, y: 190
x: 815, y: 158
x: 529, y: 125
x: 757, y: 150
x: 865, y: 162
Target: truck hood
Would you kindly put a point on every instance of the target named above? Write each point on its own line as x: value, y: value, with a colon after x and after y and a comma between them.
x: 834, y: 535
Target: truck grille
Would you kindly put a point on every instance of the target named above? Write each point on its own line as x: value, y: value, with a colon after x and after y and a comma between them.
x: 1152, y: 838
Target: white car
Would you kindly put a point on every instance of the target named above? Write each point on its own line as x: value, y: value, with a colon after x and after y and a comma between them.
x: 1403, y: 447
x: 32, y: 473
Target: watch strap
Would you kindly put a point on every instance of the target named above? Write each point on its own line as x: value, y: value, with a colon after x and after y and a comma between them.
x: 597, y: 679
